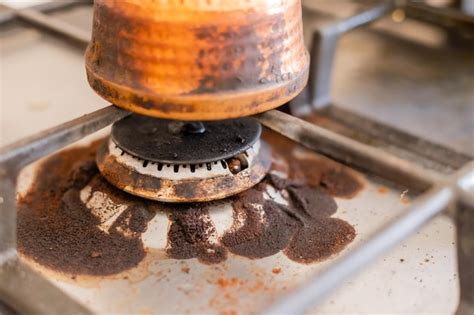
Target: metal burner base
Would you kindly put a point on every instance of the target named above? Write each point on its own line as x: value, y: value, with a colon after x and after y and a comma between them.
x: 168, y: 141
x: 184, y: 182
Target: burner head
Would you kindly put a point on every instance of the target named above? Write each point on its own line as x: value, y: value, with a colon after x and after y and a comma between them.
x: 197, y: 60
x: 184, y: 162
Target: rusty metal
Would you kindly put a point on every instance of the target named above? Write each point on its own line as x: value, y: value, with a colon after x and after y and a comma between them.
x: 240, y: 58
x: 182, y: 183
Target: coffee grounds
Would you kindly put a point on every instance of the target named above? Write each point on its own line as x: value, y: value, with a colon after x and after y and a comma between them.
x: 319, y: 239
x: 266, y: 230
x: 320, y: 236
x: 314, y: 202
x: 304, y: 230
x: 190, y: 233
x: 278, y: 182
x: 340, y: 183
x: 316, y: 171
x: 58, y: 231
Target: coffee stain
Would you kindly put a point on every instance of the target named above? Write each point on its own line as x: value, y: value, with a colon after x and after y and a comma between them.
x: 190, y: 233
x: 314, y: 170
x: 303, y: 230
x: 57, y: 230
x: 266, y: 230
x: 320, y: 236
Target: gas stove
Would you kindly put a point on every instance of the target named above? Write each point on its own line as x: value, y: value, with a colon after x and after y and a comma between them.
x: 156, y: 215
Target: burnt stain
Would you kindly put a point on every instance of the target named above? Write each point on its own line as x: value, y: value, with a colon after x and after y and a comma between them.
x: 134, y: 182
x: 102, y: 89
x: 251, y: 55
x: 227, y: 182
x: 108, y: 56
x: 145, y: 103
x: 123, y: 176
x: 192, y: 190
x: 206, y: 33
x: 186, y: 189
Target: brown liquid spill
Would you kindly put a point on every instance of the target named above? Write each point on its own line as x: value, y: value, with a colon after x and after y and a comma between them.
x: 58, y: 231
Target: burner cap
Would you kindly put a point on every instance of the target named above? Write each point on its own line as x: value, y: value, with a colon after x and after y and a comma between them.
x: 167, y: 141
x: 171, y: 162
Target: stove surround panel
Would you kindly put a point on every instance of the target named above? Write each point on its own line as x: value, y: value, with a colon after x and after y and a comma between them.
x: 448, y: 189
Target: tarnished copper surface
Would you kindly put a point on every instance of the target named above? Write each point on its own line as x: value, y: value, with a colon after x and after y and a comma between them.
x: 197, y: 60
x: 185, y: 190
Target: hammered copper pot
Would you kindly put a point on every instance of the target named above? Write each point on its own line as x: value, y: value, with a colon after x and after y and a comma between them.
x: 197, y: 59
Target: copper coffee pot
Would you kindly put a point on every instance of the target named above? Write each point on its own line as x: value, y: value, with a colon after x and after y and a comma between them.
x: 197, y: 59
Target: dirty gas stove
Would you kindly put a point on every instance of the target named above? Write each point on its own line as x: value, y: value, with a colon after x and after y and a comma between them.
x: 228, y: 217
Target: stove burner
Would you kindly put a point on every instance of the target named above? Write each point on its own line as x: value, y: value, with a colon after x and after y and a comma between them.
x: 180, y: 162
x: 167, y: 141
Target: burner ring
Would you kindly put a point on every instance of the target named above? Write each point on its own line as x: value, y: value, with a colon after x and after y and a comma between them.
x: 178, y: 182
x: 163, y: 141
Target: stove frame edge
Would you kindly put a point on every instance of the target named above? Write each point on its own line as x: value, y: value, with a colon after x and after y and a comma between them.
x: 27, y: 291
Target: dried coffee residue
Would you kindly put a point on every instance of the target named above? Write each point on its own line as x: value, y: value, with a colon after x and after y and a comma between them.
x: 266, y: 227
x: 314, y: 170
x: 304, y: 229
x: 191, y: 232
x: 57, y: 230
x: 320, y: 236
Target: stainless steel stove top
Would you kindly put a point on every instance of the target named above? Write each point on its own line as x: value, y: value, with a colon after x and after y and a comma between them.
x: 401, y: 86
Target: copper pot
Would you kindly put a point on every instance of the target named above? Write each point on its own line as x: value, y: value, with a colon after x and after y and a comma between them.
x: 197, y: 59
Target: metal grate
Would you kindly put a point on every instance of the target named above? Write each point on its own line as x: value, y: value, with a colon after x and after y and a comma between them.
x: 444, y: 178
